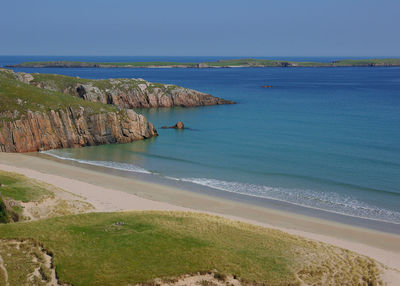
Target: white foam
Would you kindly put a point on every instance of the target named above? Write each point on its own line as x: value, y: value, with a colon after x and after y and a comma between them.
x: 107, y: 164
x: 327, y: 201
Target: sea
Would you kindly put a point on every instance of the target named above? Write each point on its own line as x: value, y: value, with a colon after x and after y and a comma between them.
x: 320, y: 138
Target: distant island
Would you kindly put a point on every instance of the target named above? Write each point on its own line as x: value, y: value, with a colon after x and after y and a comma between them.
x: 217, y: 64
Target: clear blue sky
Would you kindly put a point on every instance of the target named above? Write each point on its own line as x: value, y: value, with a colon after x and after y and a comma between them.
x: 206, y: 27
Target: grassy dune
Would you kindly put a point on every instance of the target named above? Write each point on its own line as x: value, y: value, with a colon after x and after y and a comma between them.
x: 135, y: 247
x: 18, y: 188
x: 22, y: 199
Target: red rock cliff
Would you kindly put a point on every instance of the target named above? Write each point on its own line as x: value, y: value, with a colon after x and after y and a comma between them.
x: 36, y: 131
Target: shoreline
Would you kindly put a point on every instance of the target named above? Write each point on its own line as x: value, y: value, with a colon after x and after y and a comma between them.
x: 110, y: 191
x: 263, y: 202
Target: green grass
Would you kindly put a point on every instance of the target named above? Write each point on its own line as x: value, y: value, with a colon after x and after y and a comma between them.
x: 133, y: 247
x: 66, y: 84
x: 367, y: 62
x: 4, y: 212
x: 20, y: 188
x: 18, y: 97
x: 222, y: 63
x: 92, y: 249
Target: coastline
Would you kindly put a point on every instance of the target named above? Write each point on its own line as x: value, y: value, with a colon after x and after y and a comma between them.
x: 232, y: 63
x: 111, y: 191
x: 230, y: 196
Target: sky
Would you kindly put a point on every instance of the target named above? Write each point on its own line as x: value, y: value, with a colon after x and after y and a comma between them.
x: 200, y: 28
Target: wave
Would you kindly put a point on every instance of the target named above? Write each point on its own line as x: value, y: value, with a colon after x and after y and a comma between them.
x: 327, y: 201
x: 107, y: 164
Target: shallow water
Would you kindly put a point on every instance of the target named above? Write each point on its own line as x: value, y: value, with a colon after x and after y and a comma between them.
x: 327, y: 138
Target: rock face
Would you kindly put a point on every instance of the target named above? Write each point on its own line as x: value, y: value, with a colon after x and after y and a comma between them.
x: 36, y: 131
x: 143, y: 95
x: 124, y: 93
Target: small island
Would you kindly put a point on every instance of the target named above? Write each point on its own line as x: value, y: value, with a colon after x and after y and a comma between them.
x: 390, y: 62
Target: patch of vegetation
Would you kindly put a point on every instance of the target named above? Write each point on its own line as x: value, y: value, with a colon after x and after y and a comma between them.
x: 135, y: 247
x: 24, y: 263
x: 20, y: 188
x: 58, y: 82
x: 4, y: 214
x: 371, y: 62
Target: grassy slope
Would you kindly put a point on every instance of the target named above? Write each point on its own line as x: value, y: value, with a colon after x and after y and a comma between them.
x: 132, y: 247
x: 18, y: 187
x: 222, y: 63
x: 16, y: 95
x: 91, y: 250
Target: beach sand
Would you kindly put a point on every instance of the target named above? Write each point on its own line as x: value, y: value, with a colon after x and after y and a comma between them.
x: 110, y: 192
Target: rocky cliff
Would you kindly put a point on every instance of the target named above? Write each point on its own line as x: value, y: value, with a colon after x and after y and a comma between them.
x: 32, y: 119
x: 36, y: 131
x: 124, y: 93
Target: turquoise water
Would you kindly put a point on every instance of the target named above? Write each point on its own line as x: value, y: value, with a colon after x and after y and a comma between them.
x: 326, y: 138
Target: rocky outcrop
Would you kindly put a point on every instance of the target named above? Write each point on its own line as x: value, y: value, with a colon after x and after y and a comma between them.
x: 178, y: 125
x: 144, y: 95
x: 36, y: 131
x: 124, y: 93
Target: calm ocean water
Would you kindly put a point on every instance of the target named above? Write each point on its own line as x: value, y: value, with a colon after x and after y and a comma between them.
x: 326, y: 138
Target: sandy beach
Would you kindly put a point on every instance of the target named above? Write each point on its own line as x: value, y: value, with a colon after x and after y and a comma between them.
x: 109, y: 192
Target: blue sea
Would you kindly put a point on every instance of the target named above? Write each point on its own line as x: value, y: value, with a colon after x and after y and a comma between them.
x: 323, y: 138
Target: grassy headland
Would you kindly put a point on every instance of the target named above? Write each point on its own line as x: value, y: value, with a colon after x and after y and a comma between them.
x: 18, y: 97
x: 216, y: 64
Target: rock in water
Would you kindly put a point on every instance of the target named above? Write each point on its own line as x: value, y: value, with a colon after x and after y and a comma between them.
x: 179, y: 125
